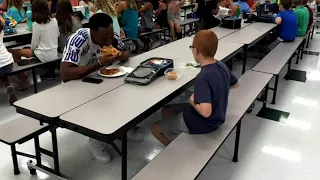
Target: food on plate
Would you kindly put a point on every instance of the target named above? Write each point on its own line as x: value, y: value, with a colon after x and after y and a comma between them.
x: 110, y: 50
x: 172, y: 75
x: 109, y: 72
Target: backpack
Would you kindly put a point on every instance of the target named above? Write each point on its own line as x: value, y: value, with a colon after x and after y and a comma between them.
x: 266, y: 12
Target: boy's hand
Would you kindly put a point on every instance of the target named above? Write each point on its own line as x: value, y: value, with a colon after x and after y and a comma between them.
x: 192, y: 99
x: 108, y: 59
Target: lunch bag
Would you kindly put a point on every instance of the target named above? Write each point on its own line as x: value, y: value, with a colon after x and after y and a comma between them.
x: 231, y: 22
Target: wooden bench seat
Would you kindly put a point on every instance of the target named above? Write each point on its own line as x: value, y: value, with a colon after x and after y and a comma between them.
x: 187, y: 155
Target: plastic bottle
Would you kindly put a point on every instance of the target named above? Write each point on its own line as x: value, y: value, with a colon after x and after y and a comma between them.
x: 86, y: 13
x: 238, y: 11
x: 29, y: 15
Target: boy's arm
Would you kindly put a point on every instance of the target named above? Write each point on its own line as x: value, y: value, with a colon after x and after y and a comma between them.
x: 147, y: 6
x: 205, y: 109
x: 278, y: 20
x: 35, y: 40
x: 255, y: 5
x: 232, y: 8
x: 233, y: 81
x: 201, y: 99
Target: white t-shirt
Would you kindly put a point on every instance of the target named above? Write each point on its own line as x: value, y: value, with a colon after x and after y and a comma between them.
x: 223, y: 12
x: 45, y: 40
x: 81, y: 51
x: 5, y: 56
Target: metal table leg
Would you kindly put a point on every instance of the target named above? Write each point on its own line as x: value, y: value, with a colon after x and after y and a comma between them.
x: 124, y: 156
x: 245, y: 48
x: 236, y: 147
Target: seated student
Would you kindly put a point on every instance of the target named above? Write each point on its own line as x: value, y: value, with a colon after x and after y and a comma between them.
x: 287, y: 20
x: 208, y: 104
x: 198, y: 10
x: 146, y: 12
x: 107, y: 6
x: 45, y: 34
x: 6, y: 65
x: 161, y: 14
x: 67, y: 22
x: 312, y: 4
x: 302, y: 14
x: 82, y: 56
x: 226, y: 8
x: 174, y: 17
x: 3, y: 4
x: 52, y: 5
x: 16, y: 11
x: 259, y: 2
x: 89, y: 4
x: 244, y: 7
x: 310, y: 22
x: 128, y: 10
x: 208, y: 20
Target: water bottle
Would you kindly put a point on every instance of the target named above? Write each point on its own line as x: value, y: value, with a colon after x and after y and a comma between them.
x: 29, y: 15
x: 238, y: 11
x: 86, y: 13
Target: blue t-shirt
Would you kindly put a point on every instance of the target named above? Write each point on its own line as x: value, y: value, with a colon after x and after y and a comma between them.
x: 212, y: 85
x: 288, y: 25
x: 244, y: 7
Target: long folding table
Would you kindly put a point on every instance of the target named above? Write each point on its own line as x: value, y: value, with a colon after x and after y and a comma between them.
x: 22, y: 31
x: 49, y: 105
x: 249, y: 36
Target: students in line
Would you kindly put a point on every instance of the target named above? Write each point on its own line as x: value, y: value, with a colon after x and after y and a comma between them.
x: 107, y: 6
x: 128, y: 10
x: 82, y: 56
x: 287, y: 20
x: 45, y: 33
x: 174, y: 18
x: 310, y: 22
x: 16, y: 10
x: 6, y: 65
x: 302, y: 14
x: 208, y: 104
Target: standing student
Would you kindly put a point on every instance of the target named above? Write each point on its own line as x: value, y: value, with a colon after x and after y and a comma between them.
x: 45, y: 34
x: 16, y: 11
x: 128, y: 10
x: 208, y: 20
x: 3, y: 4
x: 302, y: 14
x: 82, y: 59
x: 107, y: 6
x: 208, y: 104
x: 6, y: 65
x: 287, y: 20
x: 310, y: 22
x: 174, y: 18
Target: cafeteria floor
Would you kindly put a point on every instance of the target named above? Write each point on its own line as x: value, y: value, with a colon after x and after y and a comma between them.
x: 268, y: 149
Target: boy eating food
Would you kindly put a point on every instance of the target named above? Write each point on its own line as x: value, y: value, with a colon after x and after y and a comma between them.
x: 208, y: 104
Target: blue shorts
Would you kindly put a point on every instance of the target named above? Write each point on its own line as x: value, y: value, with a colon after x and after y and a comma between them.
x: 4, y: 71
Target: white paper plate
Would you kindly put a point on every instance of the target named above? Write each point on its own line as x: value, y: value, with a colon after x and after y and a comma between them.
x: 122, y: 72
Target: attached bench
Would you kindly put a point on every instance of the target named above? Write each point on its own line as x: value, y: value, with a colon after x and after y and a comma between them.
x: 186, y: 22
x: 273, y: 62
x: 17, y: 69
x: 188, y: 154
x: 19, y: 131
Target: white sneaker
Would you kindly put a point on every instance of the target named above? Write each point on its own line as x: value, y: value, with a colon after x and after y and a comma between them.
x: 98, y: 151
x: 135, y: 135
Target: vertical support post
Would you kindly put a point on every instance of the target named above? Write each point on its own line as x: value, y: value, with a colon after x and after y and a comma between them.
x: 236, y: 146
x: 34, y: 77
x: 124, y: 156
x: 55, y: 150
x: 265, y: 96
x: 16, y: 170
x: 37, y: 147
x: 275, y: 89
x: 245, y: 48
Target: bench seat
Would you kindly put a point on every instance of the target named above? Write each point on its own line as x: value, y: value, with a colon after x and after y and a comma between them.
x: 188, y: 154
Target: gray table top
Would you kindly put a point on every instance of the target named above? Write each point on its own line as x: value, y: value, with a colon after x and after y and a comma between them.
x: 104, y: 115
x: 67, y: 96
x: 22, y: 29
x: 203, y: 145
x: 250, y: 33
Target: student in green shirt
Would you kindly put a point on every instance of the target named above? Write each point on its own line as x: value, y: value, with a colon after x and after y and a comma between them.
x: 302, y: 14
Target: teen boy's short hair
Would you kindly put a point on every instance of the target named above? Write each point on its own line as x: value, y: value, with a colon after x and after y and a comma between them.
x: 206, y: 42
x: 286, y: 4
x: 296, y: 2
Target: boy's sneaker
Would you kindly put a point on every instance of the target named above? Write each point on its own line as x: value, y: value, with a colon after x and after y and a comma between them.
x: 134, y: 135
x: 99, y: 151
x: 12, y: 97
